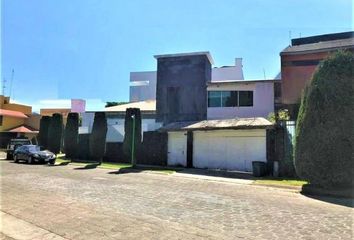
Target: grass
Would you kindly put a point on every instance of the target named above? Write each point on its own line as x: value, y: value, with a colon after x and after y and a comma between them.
x: 115, y: 166
x: 281, y: 182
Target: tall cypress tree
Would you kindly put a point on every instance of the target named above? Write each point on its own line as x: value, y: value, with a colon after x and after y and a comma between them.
x: 71, y: 135
x: 98, y: 137
x: 43, y: 131
x: 128, y: 132
x: 55, y: 133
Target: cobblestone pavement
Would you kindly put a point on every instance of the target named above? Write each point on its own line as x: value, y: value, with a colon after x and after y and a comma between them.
x: 93, y: 204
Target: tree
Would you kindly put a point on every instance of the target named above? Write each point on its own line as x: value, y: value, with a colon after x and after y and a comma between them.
x: 98, y: 137
x: 128, y: 133
x: 71, y: 135
x: 55, y: 133
x: 324, y: 132
x: 111, y: 104
x: 43, y: 131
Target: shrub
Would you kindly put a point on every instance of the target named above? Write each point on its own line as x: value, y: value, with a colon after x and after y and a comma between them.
x: 324, y: 132
x: 55, y: 133
x: 71, y: 135
x: 83, y: 151
x: 98, y: 136
x: 128, y: 132
x: 43, y: 131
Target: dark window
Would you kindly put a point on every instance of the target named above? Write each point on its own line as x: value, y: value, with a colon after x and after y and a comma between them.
x: 0, y: 120
x: 229, y: 98
x: 245, y: 98
x: 214, y: 99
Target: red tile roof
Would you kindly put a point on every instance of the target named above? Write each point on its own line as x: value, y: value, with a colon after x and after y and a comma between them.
x: 23, y: 129
x: 11, y: 113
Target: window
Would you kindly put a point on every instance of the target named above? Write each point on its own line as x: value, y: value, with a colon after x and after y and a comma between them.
x: 214, y: 99
x: 245, y: 98
x: 230, y: 98
x: 0, y: 120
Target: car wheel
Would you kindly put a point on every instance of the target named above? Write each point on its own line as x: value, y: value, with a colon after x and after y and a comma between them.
x: 15, y: 159
x: 30, y: 160
x: 52, y: 162
x: 9, y: 156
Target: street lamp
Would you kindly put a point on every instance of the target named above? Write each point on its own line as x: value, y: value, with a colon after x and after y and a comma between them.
x: 133, y: 143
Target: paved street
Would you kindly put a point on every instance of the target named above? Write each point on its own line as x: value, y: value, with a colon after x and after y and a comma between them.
x: 66, y: 202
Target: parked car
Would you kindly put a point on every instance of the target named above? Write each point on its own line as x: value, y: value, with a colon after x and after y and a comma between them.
x: 33, y: 153
x: 14, y: 144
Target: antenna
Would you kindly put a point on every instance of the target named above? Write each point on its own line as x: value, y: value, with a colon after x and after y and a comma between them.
x: 264, y: 74
x: 300, y: 35
x: 290, y: 38
x: 11, y: 81
x: 3, y: 86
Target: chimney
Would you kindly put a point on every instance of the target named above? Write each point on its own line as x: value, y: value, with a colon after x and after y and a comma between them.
x: 238, y: 62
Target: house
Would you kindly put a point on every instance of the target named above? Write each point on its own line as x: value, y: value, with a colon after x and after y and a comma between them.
x: 299, y: 62
x: 230, y: 144
x: 16, y: 120
x: 116, y: 116
x: 143, y: 84
x: 187, y: 100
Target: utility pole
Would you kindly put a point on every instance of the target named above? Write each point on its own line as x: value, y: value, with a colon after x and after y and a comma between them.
x: 3, y: 86
x: 133, y: 160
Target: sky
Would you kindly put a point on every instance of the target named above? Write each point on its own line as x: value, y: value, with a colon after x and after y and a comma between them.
x: 87, y: 48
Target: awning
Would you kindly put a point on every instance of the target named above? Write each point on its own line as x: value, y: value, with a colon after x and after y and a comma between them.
x: 11, y: 113
x: 236, y: 123
x: 23, y: 129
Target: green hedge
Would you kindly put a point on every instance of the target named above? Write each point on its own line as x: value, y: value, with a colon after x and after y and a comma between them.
x: 98, y: 137
x: 71, y: 135
x: 55, y: 133
x: 324, y: 132
x: 43, y: 131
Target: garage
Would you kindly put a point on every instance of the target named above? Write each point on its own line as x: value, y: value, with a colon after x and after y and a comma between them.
x: 229, y: 149
x: 228, y: 144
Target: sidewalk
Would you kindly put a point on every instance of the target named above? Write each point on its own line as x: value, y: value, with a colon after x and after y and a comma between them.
x: 15, y: 228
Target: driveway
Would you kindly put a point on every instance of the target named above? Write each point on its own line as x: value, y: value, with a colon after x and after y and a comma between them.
x: 66, y: 202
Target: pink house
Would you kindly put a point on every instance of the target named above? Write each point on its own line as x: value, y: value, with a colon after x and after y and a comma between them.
x: 240, y: 98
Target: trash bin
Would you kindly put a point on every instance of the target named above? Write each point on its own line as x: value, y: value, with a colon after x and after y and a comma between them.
x: 259, y: 168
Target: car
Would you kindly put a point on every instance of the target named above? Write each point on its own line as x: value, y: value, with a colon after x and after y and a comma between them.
x: 32, y: 154
x: 14, y: 144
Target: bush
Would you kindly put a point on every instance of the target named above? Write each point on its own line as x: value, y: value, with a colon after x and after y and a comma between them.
x: 324, y: 132
x: 43, y: 131
x: 98, y: 136
x: 55, y: 133
x: 83, y: 151
x: 71, y: 135
x: 128, y: 132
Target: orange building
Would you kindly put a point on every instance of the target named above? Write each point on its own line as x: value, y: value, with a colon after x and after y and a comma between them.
x: 16, y: 120
x: 300, y: 60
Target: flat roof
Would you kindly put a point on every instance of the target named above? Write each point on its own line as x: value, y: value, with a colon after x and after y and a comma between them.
x: 206, y: 53
x: 319, y: 46
x: 235, y: 123
x: 148, y: 105
x: 242, y: 81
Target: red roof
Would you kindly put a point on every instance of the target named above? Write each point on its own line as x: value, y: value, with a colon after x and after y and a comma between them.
x: 23, y: 129
x: 10, y: 113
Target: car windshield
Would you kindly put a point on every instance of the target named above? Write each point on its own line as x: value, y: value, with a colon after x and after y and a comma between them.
x: 20, y: 141
x: 33, y: 148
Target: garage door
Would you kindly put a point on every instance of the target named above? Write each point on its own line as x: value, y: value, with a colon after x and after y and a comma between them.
x: 231, y: 149
x: 177, y: 149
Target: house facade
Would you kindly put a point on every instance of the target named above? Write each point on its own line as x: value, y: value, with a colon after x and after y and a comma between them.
x: 16, y: 120
x: 300, y: 60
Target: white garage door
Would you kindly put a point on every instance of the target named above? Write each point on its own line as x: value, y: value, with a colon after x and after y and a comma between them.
x: 229, y: 149
x: 177, y: 149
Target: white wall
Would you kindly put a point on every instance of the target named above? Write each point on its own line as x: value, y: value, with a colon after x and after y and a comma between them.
x: 142, y: 86
x: 228, y: 73
x: 263, y: 101
x: 115, y: 126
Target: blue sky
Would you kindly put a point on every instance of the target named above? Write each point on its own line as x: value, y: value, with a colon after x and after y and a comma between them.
x: 87, y: 48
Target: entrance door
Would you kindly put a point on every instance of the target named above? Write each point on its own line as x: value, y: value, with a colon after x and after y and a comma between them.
x: 177, y: 149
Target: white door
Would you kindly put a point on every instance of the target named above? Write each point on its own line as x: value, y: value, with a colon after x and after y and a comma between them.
x: 231, y: 149
x: 177, y: 149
